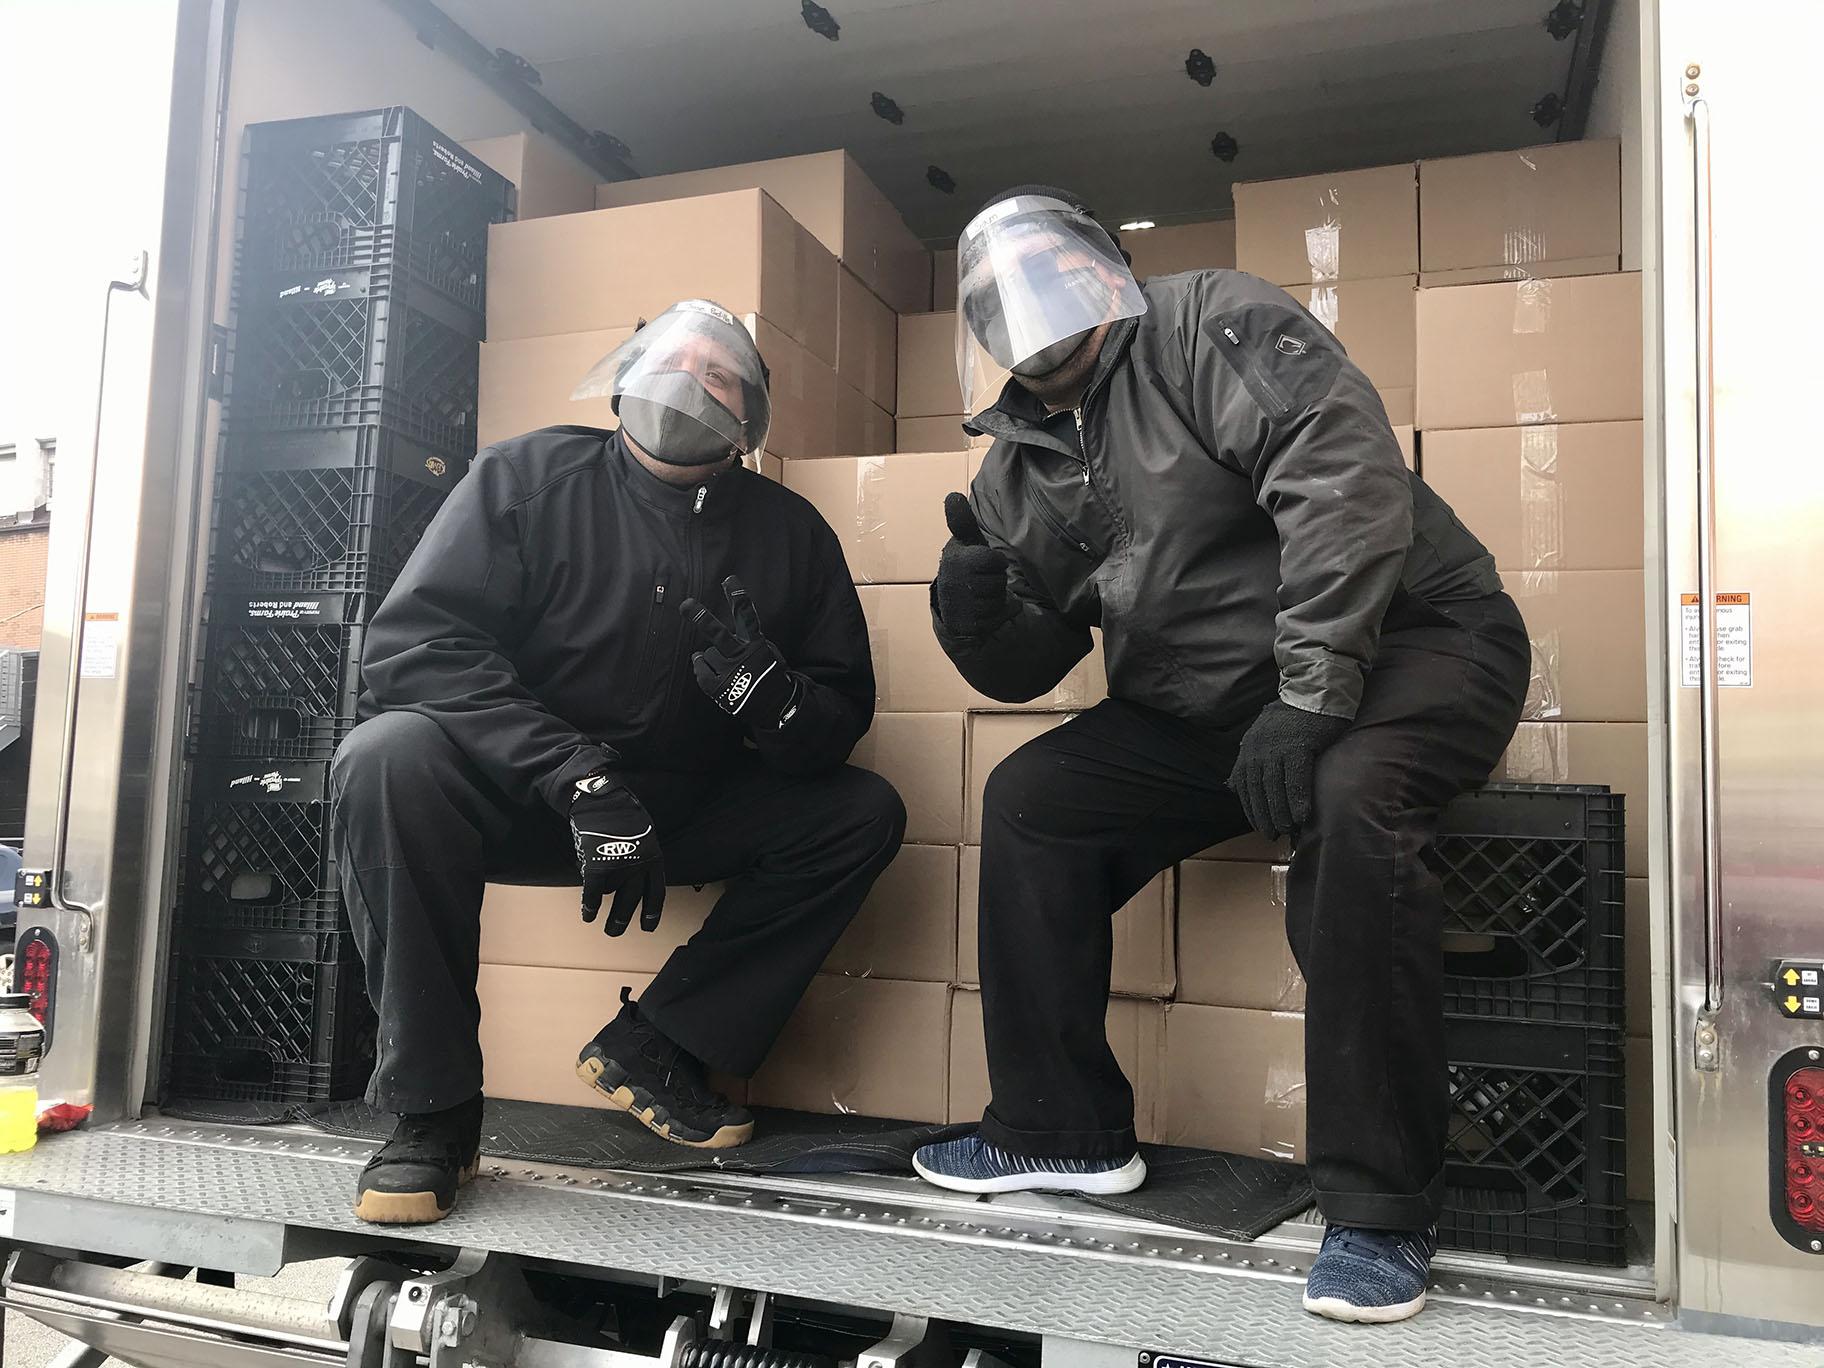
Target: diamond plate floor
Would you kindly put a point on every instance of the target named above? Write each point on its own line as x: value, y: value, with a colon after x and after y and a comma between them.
x: 964, y: 1261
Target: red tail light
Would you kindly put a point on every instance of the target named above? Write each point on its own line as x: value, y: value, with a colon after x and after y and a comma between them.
x: 1799, y: 1115
x: 35, y: 972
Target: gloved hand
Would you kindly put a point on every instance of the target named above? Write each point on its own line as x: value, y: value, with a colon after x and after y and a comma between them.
x: 970, y: 592
x: 740, y: 670
x: 1273, y: 773
x: 617, y: 852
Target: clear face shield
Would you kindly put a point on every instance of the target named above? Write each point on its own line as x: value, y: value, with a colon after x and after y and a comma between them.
x: 1034, y: 278
x: 690, y: 387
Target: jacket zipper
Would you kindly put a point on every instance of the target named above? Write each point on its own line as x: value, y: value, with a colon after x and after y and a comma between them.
x: 690, y: 590
x: 649, y: 658
x: 1082, y: 442
x: 1281, y: 403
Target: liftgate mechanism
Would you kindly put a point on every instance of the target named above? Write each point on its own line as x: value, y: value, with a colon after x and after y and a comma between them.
x: 478, y: 1313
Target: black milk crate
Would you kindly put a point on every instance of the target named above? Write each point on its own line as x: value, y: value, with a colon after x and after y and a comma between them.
x: 1536, y: 1158
x: 281, y: 675
x: 285, y: 528
x: 302, y: 353
x: 375, y: 188
x: 257, y: 853
x: 1534, y: 881
x: 267, y: 1017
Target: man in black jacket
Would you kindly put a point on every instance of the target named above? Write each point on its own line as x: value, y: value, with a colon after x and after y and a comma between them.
x: 1301, y: 638
x: 541, y: 713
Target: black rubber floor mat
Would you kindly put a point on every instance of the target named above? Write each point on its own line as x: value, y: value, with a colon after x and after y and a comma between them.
x: 1232, y: 1195
x: 784, y: 1141
x: 1235, y: 1196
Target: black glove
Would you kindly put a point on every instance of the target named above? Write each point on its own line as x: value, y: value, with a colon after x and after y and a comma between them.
x: 739, y: 669
x: 617, y: 852
x: 970, y: 592
x: 1273, y: 772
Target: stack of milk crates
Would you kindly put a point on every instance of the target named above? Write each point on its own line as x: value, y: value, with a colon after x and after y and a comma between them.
x: 1534, y: 885
x: 360, y: 280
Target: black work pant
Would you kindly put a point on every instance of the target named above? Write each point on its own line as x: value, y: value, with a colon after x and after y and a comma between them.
x: 1078, y: 820
x: 419, y: 831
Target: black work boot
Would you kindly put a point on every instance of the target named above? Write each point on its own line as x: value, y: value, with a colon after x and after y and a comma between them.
x: 659, y: 1084
x: 412, y: 1178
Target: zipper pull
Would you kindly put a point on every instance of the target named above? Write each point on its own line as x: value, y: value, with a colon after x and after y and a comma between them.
x: 1229, y: 333
x: 658, y: 592
x: 1077, y: 413
x: 702, y: 494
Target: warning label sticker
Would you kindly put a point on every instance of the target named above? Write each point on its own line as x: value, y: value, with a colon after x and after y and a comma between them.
x: 1734, y: 641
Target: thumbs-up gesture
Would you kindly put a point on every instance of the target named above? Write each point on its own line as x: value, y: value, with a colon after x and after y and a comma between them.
x: 738, y: 667
x: 970, y: 594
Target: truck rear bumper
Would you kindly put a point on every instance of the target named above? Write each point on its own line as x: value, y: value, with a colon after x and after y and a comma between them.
x: 253, y: 1200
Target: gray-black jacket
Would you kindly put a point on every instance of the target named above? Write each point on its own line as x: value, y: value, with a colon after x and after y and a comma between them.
x: 537, y: 622
x: 1228, y: 503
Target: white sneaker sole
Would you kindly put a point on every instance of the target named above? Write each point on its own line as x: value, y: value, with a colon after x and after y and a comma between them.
x: 1124, y: 1179
x: 1336, y: 1309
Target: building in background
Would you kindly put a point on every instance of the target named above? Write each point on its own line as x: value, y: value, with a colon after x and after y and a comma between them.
x: 28, y: 471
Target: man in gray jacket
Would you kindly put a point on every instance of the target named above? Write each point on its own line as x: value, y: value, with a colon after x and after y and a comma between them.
x: 1301, y: 639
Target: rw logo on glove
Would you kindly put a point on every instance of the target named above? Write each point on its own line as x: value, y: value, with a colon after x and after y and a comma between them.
x: 621, y: 847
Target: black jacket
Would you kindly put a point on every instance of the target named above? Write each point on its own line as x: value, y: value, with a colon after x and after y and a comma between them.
x: 537, y: 621
x: 1228, y: 503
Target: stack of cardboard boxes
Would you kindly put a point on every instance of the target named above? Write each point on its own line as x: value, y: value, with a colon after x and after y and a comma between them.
x: 1528, y: 400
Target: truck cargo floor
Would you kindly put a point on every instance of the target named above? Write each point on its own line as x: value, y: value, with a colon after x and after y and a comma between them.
x: 252, y: 1200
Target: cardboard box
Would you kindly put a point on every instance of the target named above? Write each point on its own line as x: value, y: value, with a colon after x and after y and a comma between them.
x: 1145, y: 951
x: 771, y: 466
x: 1589, y: 635
x: 921, y: 755
x: 525, y: 384
x: 888, y: 511
x: 862, y: 427
x: 1541, y: 351
x: 535, y: 1020
x: 1136, y: 1033
x: 1399, y: 405
x: 1539, y: 270
x: 1548, y: 497
x: 1232, y: 949
x: 911, y: 671
x: 1376, y: 322
x: 1556, y: 202
x: 943, y: 278
x: 992, y: 738
x: 1612, y: 753
x: 1205, y: 246
x: 927, y: 365
x: 549, y: 180
x: 1353, y: 225
x: 867, y: 341
x: 935, y: 434
x: 1637, y: 950
x: 612, y: 267
x: 906, y: 929
x: 826, y: 192
x: 803, y: 390
x: 868, y: 1047
x: 1407, y: 436
x: 1235, y: 1081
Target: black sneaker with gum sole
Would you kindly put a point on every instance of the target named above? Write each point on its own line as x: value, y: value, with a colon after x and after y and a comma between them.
x: 413, y: 1178
x: 660, y: 1085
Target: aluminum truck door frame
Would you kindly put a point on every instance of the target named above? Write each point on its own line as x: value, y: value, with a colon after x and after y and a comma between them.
x: 100, y: 806
x: 1743, y: 506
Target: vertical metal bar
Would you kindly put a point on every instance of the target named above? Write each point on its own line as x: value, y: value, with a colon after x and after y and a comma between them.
x: 135, y: 282
x: 1697, y: 110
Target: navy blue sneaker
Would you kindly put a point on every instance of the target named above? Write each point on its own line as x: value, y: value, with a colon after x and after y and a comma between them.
x: 1371, y: 1276
x: 971, y: 1164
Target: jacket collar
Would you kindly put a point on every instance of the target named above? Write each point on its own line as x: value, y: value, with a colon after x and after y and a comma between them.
x: 1018, y: 417
x: 718, y: 490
